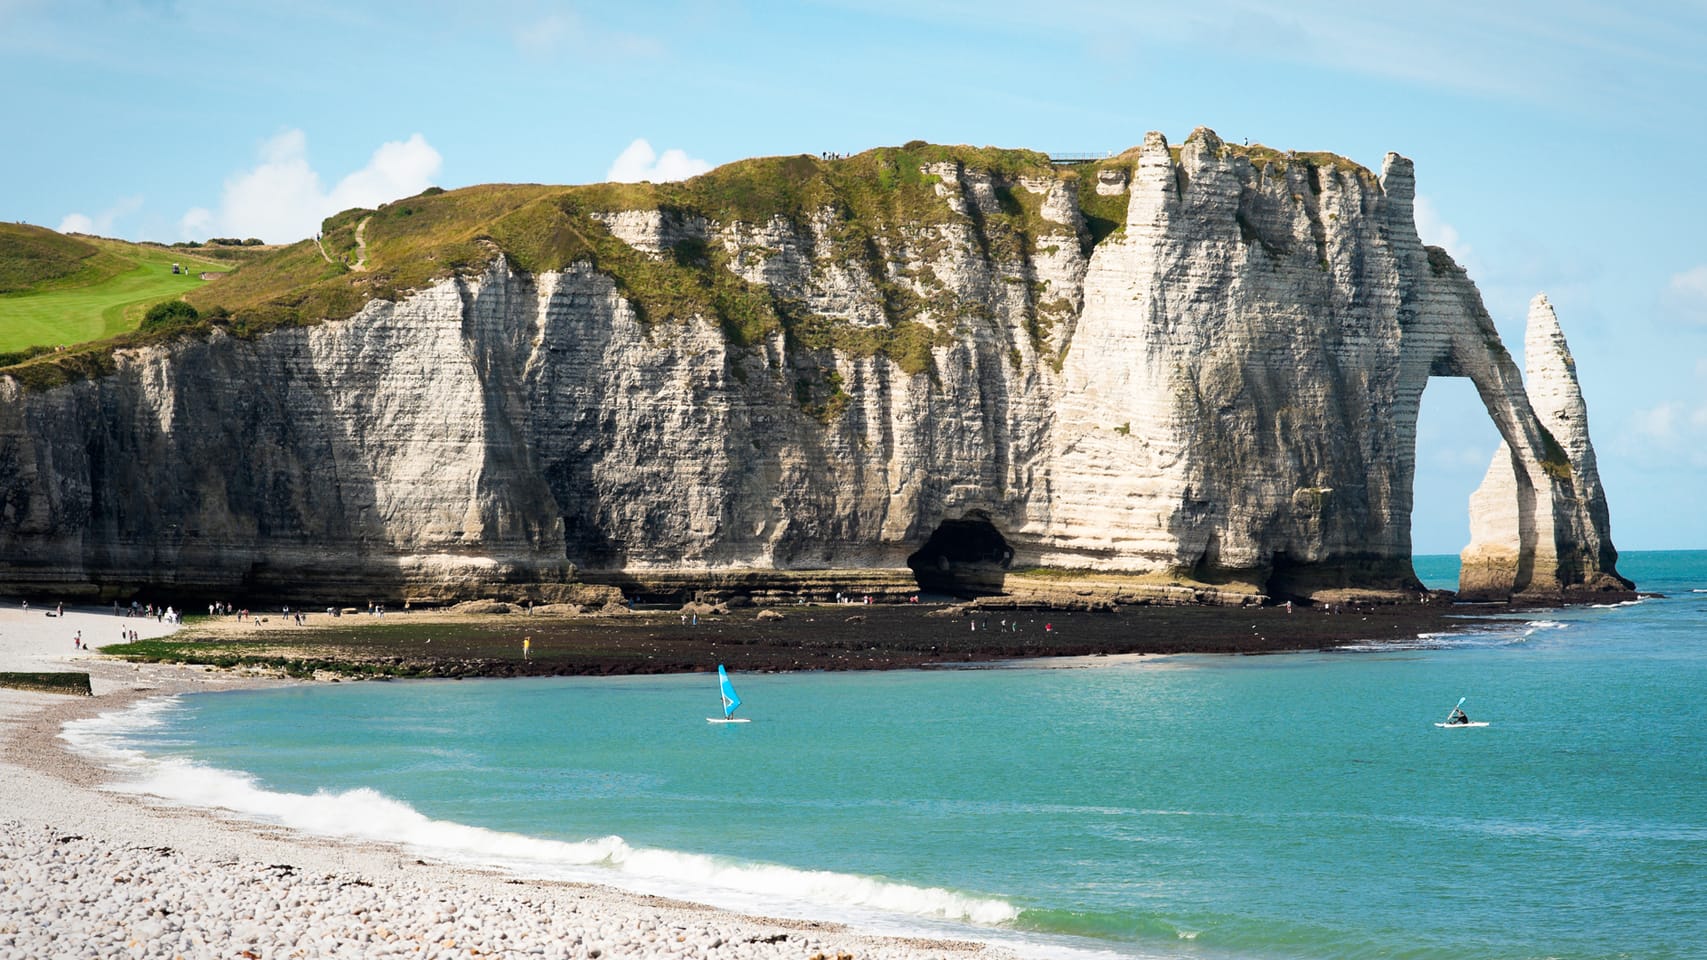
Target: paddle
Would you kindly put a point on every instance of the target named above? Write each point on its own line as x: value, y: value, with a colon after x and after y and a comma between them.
x: 1454, y: 710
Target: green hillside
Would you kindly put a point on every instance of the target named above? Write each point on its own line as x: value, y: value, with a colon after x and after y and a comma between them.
x: 58, y: 290
x: 879, y: 200
x: 873, y: 208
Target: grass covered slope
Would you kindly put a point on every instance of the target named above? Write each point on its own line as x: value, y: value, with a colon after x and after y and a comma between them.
x: 880, y: 203
x: 873, y: 210
x: 413, y: 242
x: 32, y: 257
x: 58, y: 290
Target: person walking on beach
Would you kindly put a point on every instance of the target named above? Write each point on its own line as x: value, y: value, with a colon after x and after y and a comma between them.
x: 527, y: 642
x: 77, y: 641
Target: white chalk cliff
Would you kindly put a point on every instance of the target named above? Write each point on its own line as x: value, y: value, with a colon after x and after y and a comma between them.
x: 1221, y: 385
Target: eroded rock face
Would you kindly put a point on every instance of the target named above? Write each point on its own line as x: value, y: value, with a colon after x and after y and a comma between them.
x: 1562, y: 542
x: 1224, y: 388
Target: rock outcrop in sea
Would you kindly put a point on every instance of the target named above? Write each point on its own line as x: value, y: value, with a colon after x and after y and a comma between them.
x: 1527, y: 545
x: 1185, y: 372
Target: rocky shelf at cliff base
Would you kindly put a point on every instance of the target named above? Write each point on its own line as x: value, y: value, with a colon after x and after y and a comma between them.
x: 847, y: 636
x: 1182, y: 373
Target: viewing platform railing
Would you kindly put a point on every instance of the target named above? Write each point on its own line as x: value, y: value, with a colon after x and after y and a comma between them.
x: 1070, y: 158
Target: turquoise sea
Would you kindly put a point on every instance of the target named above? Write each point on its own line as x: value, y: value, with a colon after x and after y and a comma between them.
x: 1249, y: 808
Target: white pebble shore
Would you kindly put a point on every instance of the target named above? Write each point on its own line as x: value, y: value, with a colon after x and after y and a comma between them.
x: 63, y: 895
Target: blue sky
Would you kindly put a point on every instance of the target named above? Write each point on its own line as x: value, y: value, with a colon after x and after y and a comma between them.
x: 1559, y: 146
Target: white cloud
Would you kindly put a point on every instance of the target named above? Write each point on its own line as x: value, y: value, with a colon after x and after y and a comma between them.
x: 282, y: 199
x: 1667, y: 434
x: 639, y: 162
x: 1658, y: 423
x: 101, y: 224
x: 563, y: 33
x: 1437, y: 232
x: 1686, y: 295
x: 549, y: 34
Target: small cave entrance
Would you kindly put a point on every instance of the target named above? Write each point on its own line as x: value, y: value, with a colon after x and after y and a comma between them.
x: 967, y: 557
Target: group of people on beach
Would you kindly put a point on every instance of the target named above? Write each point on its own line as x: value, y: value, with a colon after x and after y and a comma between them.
x: 159, y: 614
x: 1009, y: 626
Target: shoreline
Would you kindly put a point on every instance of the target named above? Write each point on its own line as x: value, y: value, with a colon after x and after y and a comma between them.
x: 113, y: 872
x: 54, y: 808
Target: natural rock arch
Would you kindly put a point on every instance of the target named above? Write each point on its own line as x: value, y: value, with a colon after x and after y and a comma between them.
x: 1539, y: 522
x: 1514, y: 550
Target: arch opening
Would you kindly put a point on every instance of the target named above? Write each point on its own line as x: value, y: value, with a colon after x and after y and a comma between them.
x: 967, y: 557
x: 1456, y: 439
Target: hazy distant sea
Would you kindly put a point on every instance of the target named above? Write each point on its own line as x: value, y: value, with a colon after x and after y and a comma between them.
x: 1287, y: 806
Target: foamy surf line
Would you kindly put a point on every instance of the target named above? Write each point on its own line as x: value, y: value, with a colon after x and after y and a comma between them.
x: 1516, y: 633
x: 366, y: 815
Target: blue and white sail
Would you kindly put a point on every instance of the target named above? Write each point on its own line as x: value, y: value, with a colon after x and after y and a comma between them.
x: 730, y: 700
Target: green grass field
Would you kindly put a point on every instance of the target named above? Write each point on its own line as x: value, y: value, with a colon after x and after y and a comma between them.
x: 78, y: 289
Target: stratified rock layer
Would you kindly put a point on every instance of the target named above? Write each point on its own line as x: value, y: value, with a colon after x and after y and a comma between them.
x: 1561, y: 541
x: 1221, y: 390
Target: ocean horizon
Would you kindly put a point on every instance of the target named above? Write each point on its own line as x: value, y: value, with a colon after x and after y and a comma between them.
x: 1299, y: 805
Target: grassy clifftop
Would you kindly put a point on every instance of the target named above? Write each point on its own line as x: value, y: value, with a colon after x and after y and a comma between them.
x: 413, y: 242
x: 880, y: 204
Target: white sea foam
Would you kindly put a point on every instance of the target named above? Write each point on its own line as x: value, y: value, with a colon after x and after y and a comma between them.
x: 1446, y: 640
x: 366, y: 814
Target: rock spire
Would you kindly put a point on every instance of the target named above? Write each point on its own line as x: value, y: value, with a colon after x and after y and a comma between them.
x: 1562, y: 542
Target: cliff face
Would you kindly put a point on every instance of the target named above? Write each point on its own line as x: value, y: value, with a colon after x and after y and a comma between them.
x: 1221, y: 384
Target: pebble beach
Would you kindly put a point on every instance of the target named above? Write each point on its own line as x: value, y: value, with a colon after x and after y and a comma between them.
x: 86, y: 872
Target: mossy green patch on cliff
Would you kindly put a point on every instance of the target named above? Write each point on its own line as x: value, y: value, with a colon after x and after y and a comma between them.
x: 1279, y: 162
x: 1104, y: 214
x: 1440, y: 263
x: 1554, y: 461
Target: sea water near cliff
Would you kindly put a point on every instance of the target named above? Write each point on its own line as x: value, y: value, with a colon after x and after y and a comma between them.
x: 1287, y: 806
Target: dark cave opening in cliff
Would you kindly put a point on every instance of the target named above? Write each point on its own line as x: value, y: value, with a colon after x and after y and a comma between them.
x: 1456, y: 439
x: 967, y: 557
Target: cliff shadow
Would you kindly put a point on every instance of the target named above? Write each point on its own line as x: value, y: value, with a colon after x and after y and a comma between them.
x: 967, y: 557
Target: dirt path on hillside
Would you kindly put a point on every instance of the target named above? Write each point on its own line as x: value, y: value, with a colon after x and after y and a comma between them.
x: 360, y: 266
